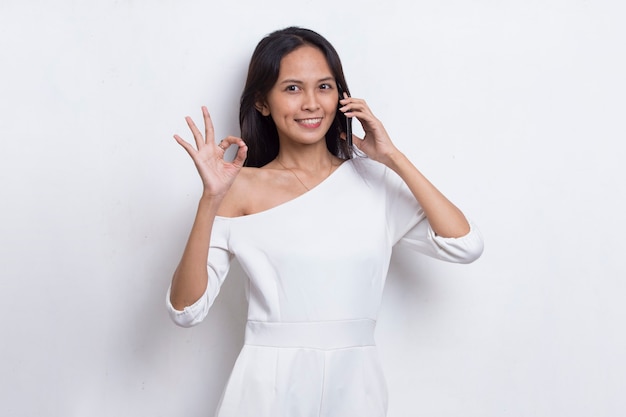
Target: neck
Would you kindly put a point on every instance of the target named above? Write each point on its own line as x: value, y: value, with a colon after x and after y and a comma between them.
x: 306, y: 158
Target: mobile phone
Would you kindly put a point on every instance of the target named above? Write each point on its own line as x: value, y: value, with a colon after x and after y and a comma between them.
x: 349, y: 131
x: 348, y: 119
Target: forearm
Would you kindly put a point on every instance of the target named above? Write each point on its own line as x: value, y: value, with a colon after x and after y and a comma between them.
x: 444, y: 217
x: 190, y: 278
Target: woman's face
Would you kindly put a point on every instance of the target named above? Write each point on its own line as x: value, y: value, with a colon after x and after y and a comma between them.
x: 303, y: 102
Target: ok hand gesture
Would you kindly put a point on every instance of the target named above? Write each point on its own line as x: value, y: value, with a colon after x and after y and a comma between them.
x: 217, y: 175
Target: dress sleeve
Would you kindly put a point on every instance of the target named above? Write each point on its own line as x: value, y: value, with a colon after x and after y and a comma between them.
x: 408, y: 226
x: 218, y: 265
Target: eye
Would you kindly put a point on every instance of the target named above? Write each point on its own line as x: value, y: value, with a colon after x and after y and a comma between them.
x: 292, y: 87
x: 326, y: 86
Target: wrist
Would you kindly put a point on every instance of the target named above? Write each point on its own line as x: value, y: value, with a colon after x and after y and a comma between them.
x: 210, y: 202
x: 396, y: 160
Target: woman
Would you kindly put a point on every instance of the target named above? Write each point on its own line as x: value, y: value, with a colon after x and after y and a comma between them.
x: 312, y: 225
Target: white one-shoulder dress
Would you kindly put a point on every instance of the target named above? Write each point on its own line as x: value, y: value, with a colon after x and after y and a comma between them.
x: 317, y: 266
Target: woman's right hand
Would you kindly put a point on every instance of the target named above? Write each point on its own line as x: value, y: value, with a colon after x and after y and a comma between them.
x: 217, y: 175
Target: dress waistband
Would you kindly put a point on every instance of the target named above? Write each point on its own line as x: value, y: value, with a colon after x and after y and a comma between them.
x: 336, y: 334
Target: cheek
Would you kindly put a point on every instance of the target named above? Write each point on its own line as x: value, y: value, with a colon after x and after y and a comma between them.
x: 332, y: 110
x: 331, y: 104
x: 284, y: 108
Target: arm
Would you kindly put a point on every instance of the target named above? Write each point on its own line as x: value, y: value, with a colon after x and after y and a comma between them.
x: 445, y: 219
x: 190, y: 278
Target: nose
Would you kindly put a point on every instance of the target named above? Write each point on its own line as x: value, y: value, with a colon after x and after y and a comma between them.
x: 310, y: 102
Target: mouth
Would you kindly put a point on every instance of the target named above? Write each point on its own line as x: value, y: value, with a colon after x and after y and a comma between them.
x: 310, y: 123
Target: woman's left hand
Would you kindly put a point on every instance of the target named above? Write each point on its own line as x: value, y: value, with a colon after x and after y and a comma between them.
x: 376, y: 143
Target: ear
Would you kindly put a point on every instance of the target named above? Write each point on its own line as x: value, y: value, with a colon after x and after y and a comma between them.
x: 262, y: 107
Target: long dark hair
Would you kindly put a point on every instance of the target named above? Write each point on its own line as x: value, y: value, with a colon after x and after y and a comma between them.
x: 258, y: 131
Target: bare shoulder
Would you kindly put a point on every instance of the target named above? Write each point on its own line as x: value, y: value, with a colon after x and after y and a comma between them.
x: 246, y: 194
x: 259, y: 189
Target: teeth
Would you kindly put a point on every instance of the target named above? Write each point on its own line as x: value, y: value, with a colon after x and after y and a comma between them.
x: 310, y: 121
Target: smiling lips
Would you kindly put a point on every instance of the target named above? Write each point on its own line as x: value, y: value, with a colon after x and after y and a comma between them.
x: 310, y: 123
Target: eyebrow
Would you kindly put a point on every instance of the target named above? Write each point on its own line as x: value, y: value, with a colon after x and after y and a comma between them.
x: 294, y: 81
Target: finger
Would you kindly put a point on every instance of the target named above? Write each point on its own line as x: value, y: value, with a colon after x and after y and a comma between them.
x: 346, y: 99
x: 352, y: 100
x: 228, y: 141
x: 196, y: 132
x: 186, y: 145
x: 356, y: 106
x: 209, y: 133
x: 354, y: 111
x: 363, y: 116
x: 242, y: 154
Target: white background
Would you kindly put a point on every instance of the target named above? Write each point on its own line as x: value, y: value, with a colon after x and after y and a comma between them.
x: 514, y: 109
